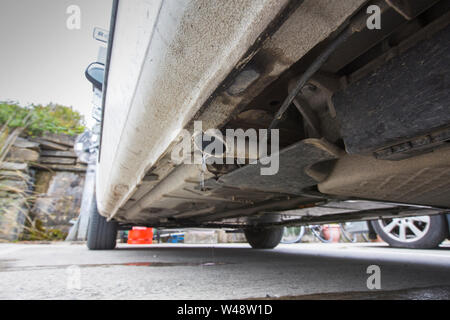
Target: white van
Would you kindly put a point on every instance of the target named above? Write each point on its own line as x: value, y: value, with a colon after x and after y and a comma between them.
x: 259, y: 114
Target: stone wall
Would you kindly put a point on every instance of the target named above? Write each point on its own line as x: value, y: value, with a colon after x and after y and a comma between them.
x: 41, y: 184
x: 61, y: 203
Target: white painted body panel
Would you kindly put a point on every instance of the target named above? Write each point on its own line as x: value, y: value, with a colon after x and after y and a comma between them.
x: 167, y: 59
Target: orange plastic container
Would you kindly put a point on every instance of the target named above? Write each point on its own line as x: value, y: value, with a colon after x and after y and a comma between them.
x: 140, y: 235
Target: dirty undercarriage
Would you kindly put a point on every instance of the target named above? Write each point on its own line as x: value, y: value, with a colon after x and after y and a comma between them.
x: 365, y: 136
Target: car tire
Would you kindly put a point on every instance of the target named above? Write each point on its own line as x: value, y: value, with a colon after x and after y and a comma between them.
x: 264, y: 238
x: 436, y: 232
x: 102, y: 234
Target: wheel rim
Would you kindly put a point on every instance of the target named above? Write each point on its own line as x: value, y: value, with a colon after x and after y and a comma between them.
x: 350, y: 237
x: 317, y: 230
x: 292, y: 234
x: 406, y: 229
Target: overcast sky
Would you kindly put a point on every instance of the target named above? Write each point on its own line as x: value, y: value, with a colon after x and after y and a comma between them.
x: 41, y: 60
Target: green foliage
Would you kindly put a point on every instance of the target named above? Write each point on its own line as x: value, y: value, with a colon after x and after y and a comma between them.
x: 37, y: 232
x: 52, y: 118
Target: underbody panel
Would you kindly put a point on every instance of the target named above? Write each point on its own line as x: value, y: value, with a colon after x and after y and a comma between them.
x: 366, y: 135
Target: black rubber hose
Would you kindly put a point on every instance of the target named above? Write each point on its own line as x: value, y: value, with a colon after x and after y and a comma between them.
x: 312, y: 69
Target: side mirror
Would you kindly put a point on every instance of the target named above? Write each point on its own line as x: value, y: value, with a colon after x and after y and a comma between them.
x: 95, y: 73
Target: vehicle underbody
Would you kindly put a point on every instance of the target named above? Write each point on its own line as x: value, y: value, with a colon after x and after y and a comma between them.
x: 365, y: 137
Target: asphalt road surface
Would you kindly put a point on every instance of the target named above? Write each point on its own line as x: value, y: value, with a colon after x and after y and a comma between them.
x: 299, y: 271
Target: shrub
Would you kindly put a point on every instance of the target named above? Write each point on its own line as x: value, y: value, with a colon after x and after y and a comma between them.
x: 52, y: 118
